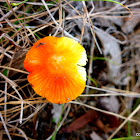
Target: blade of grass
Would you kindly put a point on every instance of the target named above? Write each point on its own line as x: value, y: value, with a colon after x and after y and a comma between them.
x: 93, y: 81
x: 16, y: 4
x: 54, y: 135
x: 105, y: 59
x: 37, y: 35
x: 126, y: 138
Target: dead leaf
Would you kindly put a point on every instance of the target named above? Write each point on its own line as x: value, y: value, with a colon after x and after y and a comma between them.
x: 81, y: 121
x: 93, y: 116
x: 111, y: 48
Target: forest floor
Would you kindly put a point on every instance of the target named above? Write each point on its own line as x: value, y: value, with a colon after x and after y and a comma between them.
x: 109, y: 107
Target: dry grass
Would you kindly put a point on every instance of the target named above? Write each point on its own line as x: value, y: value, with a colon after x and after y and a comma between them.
x: 25, y: 23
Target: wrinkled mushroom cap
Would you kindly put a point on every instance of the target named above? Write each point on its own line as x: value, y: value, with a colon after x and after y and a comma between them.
x: 55, y: 66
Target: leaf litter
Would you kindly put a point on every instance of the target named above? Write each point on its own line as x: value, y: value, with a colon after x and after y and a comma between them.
x: 25, y: 115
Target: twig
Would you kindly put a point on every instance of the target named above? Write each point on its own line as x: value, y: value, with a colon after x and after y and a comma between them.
x: 66, y: 114
x: 127, y: 119
x: 114, y: 94
x: 14, y: 69
x: 4, y: 125
x: 65, y: 32
x: 13, y: 85
x: 103, y: 111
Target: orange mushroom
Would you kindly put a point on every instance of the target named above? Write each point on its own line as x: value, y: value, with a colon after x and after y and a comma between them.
x: 55, y: 66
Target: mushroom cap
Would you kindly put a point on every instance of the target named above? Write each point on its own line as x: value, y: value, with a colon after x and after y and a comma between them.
x: 55, y: 66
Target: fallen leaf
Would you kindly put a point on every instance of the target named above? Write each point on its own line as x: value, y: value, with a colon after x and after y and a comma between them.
x: 93, y: 116
x: 81, y: 121
x: 111, y: 48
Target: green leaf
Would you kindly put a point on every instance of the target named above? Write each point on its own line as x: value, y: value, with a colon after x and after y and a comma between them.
x: 5, y: 72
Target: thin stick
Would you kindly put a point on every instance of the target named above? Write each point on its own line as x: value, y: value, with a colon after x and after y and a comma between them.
x: 20, y: 130
x: 4, y: 125
x: 114, y: 94
x: 130, y: 116
x: 103, y: 111
x: 14, y: 69
x: 114, y: 91
x: 66, y: 114
x: 65, y: 32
